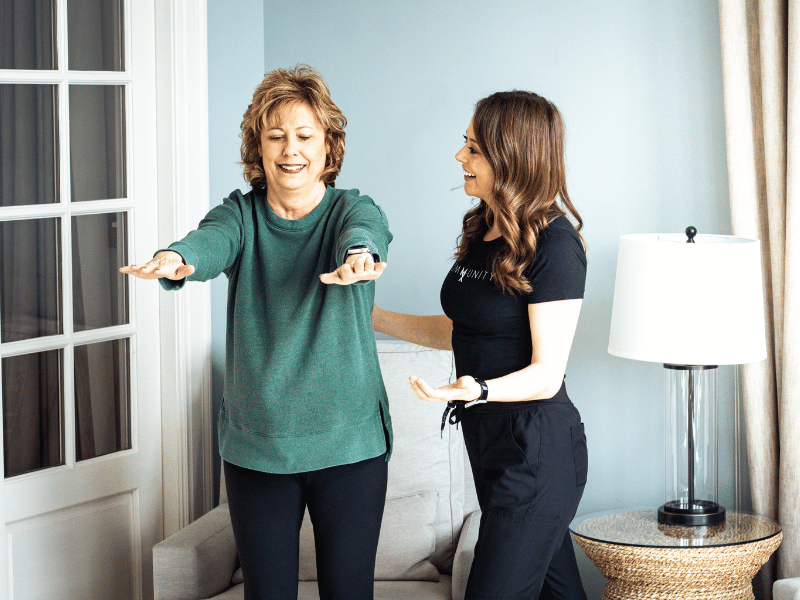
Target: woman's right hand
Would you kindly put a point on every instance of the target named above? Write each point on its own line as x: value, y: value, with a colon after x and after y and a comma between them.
x: 167, y: 264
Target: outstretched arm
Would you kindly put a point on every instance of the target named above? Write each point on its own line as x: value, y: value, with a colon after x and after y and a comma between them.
x: 553, y: 326
x: 433, y: 331
x: 166, y: 263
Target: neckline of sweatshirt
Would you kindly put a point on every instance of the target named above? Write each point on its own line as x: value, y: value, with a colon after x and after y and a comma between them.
x: 303, y: 223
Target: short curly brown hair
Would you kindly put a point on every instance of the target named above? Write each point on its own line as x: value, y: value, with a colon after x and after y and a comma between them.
x: 279, y: 88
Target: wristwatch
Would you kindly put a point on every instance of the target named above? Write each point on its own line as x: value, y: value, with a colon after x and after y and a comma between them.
x: 482, y: 399
x: 357, y: 250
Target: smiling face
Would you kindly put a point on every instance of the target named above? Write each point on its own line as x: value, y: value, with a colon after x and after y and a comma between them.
x: 478, y: 173
x: 293, y: 151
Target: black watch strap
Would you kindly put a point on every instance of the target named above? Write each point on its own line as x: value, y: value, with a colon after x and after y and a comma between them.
x: 484, y: 388
x: 484, y: 393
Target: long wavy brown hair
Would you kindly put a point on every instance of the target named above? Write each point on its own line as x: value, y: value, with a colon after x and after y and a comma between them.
x: 522, y: 136
x: 279, y: 88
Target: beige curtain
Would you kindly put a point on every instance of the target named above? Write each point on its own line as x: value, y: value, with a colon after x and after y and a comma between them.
x: 761, y: 74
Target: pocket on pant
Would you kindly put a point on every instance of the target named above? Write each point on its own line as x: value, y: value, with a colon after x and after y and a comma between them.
x: 524, y: 434
x: 580, y: 454
x: 508, y: 452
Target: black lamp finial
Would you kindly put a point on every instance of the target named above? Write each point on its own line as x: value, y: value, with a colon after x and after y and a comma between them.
x: 690, y: 233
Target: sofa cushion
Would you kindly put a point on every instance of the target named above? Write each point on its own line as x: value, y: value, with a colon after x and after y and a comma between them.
x: 405, y: 546
x: 424, y: 459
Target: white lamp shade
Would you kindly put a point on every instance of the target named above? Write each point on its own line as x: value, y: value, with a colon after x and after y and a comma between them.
x: 688, y: 304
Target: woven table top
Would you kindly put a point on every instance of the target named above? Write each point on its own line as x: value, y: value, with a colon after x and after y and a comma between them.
x: 641, y: 528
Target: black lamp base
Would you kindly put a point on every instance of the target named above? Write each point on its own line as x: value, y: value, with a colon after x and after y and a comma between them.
x: 702, y: 512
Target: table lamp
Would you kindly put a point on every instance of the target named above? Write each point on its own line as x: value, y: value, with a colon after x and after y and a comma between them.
x: 691, y: 302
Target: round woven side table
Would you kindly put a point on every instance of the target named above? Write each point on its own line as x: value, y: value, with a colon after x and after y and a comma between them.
x: 642, y: 559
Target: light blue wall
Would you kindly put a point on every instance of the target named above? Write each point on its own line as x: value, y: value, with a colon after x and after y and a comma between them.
x: 235, y: 68
x: 639, y: 85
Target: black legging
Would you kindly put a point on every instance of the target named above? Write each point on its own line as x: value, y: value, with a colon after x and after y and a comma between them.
x: 346, y: 508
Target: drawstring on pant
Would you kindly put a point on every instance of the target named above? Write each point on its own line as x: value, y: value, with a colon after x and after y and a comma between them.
x: 455, y: 408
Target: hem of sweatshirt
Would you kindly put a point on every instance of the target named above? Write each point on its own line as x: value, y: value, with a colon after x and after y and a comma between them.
x: 344, y: 445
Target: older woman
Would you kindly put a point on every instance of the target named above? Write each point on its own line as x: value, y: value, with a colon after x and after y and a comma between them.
x: 511, y: 303
x: 305, y: 418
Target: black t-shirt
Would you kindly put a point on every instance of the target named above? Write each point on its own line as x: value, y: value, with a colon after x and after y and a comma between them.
x: 491, y: 330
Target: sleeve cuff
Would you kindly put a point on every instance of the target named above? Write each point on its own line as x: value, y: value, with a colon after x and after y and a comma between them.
x: 357, y: 237
x: 188, y: 256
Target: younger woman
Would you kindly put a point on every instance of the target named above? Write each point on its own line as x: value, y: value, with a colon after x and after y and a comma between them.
x: 511, y: 304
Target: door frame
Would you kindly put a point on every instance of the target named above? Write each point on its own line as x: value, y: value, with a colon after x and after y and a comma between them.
x: 183, y: 199
x: 185, y: 336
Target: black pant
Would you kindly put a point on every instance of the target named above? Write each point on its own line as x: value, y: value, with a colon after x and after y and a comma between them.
x: 345, y: 504
x: 529, y: 465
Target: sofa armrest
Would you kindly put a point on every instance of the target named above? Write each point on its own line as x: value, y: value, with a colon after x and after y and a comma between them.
x: 786, y: 589
x: 462, y: 561
x: 198, y: 561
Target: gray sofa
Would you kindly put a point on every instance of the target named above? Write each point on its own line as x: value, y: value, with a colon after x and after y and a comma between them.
x: 430, y: 523
x: 786, y: 589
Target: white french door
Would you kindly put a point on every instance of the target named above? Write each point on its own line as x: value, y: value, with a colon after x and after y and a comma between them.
x: 79, y: 349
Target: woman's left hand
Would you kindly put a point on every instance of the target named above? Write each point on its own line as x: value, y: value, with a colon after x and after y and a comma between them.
x: 465, y: 388
x: 357, y: 267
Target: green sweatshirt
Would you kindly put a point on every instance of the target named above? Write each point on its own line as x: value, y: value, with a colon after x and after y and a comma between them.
x: 303, y: 388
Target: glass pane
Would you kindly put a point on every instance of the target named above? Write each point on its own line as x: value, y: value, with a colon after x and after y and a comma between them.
x: 30, y: 276
x: 94, y: 30
x: 33, y: 412
x: 97, y: 141
x: 28, y: 144
x: 102, y: 399
x: 99, y: 290
x: 27, y: 34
